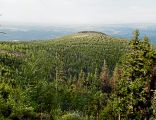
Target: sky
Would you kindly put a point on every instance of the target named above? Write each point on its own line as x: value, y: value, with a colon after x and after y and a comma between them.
x: 77, y: 11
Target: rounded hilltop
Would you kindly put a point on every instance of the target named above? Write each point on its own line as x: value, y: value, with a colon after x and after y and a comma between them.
x: 92, y: 32
x: 88, y: 37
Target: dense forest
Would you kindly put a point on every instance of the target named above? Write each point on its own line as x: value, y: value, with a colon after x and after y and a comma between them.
x: 85, y: 76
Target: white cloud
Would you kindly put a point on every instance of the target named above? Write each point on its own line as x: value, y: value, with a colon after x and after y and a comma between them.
x: 77, y: 11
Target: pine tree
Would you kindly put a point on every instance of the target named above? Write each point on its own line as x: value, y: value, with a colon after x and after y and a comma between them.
x: 81, y: 79
x: 133, y: 89
x: 59, y: 74
x: 154, y: 105
x: 116, y: 75
x: 105, y: 78
x: 104, y: 72
x: 96, y: 80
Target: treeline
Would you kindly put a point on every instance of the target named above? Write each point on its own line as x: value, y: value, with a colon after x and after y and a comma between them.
x: 78, y: 78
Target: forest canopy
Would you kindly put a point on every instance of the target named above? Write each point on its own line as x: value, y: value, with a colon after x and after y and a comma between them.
x: 84, y: 76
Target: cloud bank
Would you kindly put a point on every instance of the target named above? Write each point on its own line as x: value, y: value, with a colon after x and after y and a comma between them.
x: 78, y: 11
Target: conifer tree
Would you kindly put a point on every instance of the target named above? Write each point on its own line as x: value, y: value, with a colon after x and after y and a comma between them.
x: 105, y: 78
x: 154, y: 105
x: 96, y: 80
x: 133, y: 94
x: 59, y: 75
x: 81, y: 78
x: 116, y: 75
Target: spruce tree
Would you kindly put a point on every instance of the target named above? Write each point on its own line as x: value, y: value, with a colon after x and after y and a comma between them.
x: 106, y: 87
x: 116, y: 75
x: 81, y: 79
x: 133, y: 88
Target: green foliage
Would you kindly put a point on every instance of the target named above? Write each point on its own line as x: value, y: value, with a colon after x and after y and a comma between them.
x: 43, y: 97
x: 154, y: 104
x: 69, y: 78
x: 12, y: 103
x: 71, y: 116
x: 133, y: 88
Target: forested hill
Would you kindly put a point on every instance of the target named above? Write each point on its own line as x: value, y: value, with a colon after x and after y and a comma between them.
x: 71, y: 77
x: 86, y: 50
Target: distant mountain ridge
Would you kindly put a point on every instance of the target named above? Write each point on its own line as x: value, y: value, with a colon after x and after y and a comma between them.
x: 50, y: 32
x: 94, y: 32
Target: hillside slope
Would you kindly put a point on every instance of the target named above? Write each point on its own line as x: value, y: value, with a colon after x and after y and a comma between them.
x: 70, y: 54
x: 71, y: 77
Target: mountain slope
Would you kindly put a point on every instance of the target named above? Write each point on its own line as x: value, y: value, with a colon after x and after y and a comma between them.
x: 81, y: 51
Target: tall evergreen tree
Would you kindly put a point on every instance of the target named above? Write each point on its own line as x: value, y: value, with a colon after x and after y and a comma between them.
x: 81, y: 79
x: 133, y: 88
x: 106, y: 87
x: 116, y: 75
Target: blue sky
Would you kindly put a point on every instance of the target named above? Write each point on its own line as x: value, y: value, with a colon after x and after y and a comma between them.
x: 77, y: 11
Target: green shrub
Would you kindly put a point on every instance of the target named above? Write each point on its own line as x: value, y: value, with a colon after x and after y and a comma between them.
x: 71, y: 116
